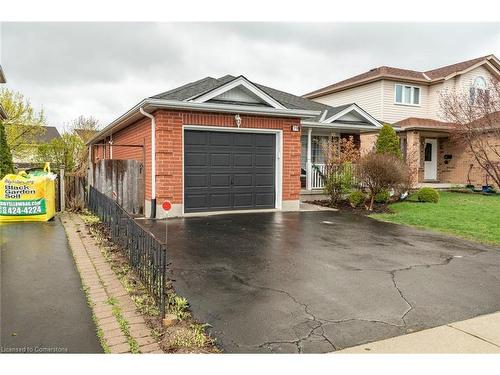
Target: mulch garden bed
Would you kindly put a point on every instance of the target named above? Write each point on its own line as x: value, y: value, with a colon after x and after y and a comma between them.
x: 344, y: 206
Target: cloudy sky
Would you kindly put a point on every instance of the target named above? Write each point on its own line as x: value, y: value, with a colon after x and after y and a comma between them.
x: 103, y: 69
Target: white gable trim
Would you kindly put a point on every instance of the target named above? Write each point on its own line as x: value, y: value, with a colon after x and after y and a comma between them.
x: 240, y: 81
x: 480, y: 63
x: 354, y: 108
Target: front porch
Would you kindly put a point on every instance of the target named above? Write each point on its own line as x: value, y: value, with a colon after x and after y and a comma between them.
x: 313, y: 159
x: 342, y: 122
x: 432, y: 158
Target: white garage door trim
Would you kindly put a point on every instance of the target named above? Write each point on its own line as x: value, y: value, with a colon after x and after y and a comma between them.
x: 279, y: 156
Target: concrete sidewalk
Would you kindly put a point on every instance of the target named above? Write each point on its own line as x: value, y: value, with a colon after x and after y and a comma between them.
x: 476, y: 335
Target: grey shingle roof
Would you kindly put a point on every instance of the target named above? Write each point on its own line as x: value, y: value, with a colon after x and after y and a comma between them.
x: 48, y: 135
x: 286, y: 99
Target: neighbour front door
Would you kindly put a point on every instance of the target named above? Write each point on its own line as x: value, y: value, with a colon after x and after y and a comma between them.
x: 430, y: 159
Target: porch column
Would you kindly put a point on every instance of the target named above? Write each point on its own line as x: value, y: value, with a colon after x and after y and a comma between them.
x: 413, y: 154
x: 309, y: 158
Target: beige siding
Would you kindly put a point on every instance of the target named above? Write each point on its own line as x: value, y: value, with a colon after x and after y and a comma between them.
x: 458, y: 83
x: 368, y: 97
x: 393, y: 112
x: 466, y: 80
x: 377, y: 98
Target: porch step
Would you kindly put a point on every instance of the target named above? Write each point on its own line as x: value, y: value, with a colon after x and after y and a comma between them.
x: 312, y: 195
x: 438, y: 185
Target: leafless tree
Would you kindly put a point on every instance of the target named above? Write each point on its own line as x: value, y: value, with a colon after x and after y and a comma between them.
x: 379, y: 172
x: 475, y: 116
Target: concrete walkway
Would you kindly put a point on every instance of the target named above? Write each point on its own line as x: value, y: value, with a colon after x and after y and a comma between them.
x: 43, y: 307
x: 476, y: 335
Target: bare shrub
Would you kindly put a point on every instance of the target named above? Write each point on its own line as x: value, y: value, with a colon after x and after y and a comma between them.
x: 476, y: 118
x: 381, y: 172
x: 339, y: 173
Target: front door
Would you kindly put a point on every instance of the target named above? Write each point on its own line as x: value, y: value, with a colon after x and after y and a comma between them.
x: 430, y: 161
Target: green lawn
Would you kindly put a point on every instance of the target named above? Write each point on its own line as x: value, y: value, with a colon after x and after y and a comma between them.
x: 471, y: 216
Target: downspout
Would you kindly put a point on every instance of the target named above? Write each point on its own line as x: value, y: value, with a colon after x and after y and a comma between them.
x: 153, y: 161
x: 111, y: 146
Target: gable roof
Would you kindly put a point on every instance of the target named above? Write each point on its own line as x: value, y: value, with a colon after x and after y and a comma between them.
x: 203, y: 86
x: 48, y: 135
x: 209, y: 95
x: 387, y: 72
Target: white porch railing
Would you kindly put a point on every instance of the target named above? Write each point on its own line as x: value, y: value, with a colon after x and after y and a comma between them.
x: 316, y: 180
x: 318, y: 183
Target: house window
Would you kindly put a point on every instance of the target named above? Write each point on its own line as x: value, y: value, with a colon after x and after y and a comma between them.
x: 405, y: 94
x: 318, y: 144
x: 428, y: 152
x: 478, y: 90
x: 403, y: 145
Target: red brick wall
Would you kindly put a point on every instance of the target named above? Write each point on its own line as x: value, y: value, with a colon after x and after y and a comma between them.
x: 169, y: 148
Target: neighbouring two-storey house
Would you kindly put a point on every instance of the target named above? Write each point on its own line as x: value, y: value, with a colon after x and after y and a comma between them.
x: 410, y: 101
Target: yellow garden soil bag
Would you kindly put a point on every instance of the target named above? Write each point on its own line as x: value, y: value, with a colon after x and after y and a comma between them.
x: 28, y: 197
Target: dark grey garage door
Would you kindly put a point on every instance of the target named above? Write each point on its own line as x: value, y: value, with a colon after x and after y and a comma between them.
x: 228, y: 170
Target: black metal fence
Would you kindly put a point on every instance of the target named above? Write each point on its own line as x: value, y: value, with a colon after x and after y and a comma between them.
x: 145, y: 254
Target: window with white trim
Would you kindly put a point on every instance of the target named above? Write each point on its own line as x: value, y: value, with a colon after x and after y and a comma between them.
x: 406, y: 94
x: 478, y: 91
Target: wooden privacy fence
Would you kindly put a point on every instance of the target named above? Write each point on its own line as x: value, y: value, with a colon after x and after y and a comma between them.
x: 122, y: 181
x: 75, y: 189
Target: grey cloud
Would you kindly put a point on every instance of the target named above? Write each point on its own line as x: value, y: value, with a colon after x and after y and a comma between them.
x: 102, y: 69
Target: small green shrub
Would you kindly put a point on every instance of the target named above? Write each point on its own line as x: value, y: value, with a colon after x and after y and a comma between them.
x: 427, y: 194
x: 356, y: 198
x: 178, y: 306
x: 339, y: 181
x: 382, y: 197
x: 388, y: 142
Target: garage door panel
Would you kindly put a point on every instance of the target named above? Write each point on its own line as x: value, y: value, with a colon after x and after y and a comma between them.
x: 264, y: 160
x: 264, y: 200
x: 243, y: 180
x: 220, y: 200
x: 193, y: 159
x: 266, y: 179
x: 239, y: 170
x: 244, y: 139
x: 220, y: 180
x: 198, y: 138
x: 196, y: 180
x: 265, y: 140
x: 243, y: 200
x: 219, y: 139
x: 243, y: 160
x: 220, y: 160
x: 196, y: 201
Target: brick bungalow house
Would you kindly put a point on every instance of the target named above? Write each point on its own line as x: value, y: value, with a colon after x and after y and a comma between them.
x: 227, y: 144
x: 410, y: 101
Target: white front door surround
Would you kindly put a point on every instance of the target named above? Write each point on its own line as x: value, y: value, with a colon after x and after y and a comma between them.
x: 430, y: 159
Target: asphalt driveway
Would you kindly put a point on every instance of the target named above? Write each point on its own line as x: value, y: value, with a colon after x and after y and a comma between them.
x: 321, y: 281
x: 43, y: 308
